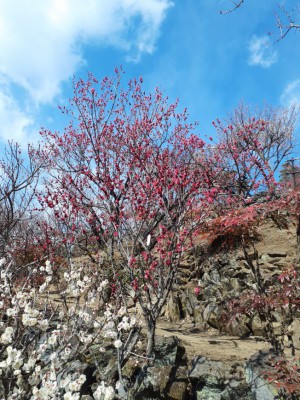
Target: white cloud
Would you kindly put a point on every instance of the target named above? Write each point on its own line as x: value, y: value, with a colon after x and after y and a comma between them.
x: 15, y: 124
x: 41, y: 44
x: 261, y: 52
x: 291, y: 94
x: 40, y: 41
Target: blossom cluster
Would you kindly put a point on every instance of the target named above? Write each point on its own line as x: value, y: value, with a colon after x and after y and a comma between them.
x: 41, y: 333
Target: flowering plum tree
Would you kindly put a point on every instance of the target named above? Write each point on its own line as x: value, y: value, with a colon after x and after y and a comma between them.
x: 42, y: 341
x: 129, y: 174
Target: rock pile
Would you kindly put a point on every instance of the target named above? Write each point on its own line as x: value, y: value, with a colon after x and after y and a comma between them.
x: 171, y: 377
x: 220, y: 278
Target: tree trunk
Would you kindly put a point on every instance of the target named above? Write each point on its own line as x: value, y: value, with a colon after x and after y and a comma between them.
x: 151, y: 325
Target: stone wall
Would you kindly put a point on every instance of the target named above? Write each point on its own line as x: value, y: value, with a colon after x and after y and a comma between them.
x: 224, y: 275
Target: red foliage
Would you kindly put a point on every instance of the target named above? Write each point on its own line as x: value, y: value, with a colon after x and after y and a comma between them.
x: 285, y: 375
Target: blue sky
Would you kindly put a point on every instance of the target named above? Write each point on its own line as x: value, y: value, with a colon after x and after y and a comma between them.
x: 209, y: 61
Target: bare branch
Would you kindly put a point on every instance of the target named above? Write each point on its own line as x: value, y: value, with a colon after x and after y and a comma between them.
x: 235, y: 7
x: 286, y: 18
x: 18, y: 180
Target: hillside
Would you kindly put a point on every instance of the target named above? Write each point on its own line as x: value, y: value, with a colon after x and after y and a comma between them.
x: 197, y: 322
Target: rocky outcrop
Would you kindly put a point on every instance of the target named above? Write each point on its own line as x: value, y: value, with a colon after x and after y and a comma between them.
x: 217, y: 380
x: 172, y: 377
x: 218, y: 279
x: 256, y: 370
x: 166, y: 378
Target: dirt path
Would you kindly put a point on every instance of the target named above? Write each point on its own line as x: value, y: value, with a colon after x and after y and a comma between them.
x: 211, y: 344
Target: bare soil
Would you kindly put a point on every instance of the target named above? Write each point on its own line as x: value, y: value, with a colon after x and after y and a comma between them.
x: 211, y: 344
x: 277, y: 237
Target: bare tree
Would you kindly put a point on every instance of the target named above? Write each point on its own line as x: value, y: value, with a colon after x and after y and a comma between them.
x: 254, y: 143
x: 287, y: 18
x: 277, y: 137
x: 18, y: 180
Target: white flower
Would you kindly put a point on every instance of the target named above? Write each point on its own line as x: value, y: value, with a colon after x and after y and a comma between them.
x: 65, y: 382
x: 42, y: 347
x: 123, y: 326
x: 9, y: 361
x: 17, y: 364
x: 107, y: 314
x: 43, y: 287
x: 71, y: 396
x: 85, y: 315
x: 48, y: 267
x: 53, y: 356
x: 37, y: 369
x: 104, y: 392
x: 11, y: 312
x: 52, y: 340
x: 75, y: 275
x: 118, y: 344
x: 93, y: 302
x: 74, y: 386
x: 81, y: 379
x: 109, y: 393
x: 20, y: 295
x: 122, y: 312
x: 66, y: 276
x: 85, y: 338
x: 31, y: 311
x: 44, y: 324
x: 40, y: 393
x: 28, y: 320
x: 29, y: 365
x: 110, y: 334
x: 6, y: 336
x: 5, y: 339
x: 17, y: 372
x: 67, y: 352
x: 102, y: 285
x: 139, y: 344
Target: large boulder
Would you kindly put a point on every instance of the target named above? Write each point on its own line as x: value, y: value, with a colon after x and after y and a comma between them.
x: 167, y: 378
x: 172, y: 309
x: 217, y: 380
x: 256, y: 370
x: 212, y: 315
